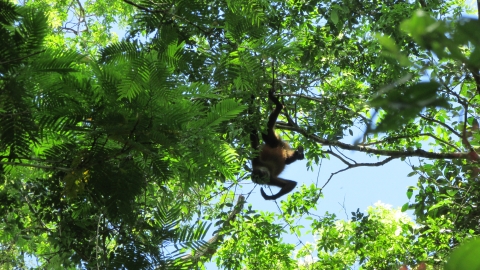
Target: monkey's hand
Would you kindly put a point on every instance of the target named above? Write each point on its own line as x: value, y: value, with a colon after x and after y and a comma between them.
x: 299, y: 153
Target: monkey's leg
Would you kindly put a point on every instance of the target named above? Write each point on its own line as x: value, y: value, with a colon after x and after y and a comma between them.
x: 285, y: 185
x: 295, y: 155
x: 271, y: 139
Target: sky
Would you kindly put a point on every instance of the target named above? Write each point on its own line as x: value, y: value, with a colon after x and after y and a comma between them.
x: 356, y: 188
x: 359, y: 187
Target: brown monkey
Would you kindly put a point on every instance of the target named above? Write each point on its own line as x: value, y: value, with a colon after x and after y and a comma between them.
x: 273, y: 156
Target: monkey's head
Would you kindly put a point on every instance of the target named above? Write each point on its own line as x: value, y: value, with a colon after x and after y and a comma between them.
x: 260, y: 175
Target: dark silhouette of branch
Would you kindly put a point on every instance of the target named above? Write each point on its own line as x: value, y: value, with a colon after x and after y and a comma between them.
x: 355, y: 164
x: 63, y: 169
x: 21, y: 58
x: 320, y: 100
x: 350, y: 165
x: 361, y: 148
x: 213, y: 243
x: 165, y: 12
x: 392, y: 139
x: 442, y: 124
x: 136, y: 5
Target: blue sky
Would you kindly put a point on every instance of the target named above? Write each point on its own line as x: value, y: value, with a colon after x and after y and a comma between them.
x: 355, y: 188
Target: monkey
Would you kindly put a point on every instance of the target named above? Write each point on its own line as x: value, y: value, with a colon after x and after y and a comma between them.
x: 273, y: 155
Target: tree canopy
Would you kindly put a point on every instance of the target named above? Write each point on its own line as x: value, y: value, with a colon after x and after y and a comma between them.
x: 123, y: 152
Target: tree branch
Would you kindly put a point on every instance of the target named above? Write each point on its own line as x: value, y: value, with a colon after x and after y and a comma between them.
x: 63, y: 169
x: 391, y: 139
x: 360, y: 148
x: 350, y: 165
x: 442, y: 124
x: 212, y: 245
x: 136, y: 5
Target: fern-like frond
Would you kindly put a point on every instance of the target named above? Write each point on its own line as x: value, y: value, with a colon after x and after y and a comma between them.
x: 33, y: 29
x: 54, y: 60
x: 225, y: 110
x: 120, y: 51
x: 8, y: 13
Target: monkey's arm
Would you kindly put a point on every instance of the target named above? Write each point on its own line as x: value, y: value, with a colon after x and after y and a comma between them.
x: 285, y: 185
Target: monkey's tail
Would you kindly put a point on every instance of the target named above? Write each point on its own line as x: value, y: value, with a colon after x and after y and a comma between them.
x: 288, y: 186
x: 268, y: 197
x: 285, y: 185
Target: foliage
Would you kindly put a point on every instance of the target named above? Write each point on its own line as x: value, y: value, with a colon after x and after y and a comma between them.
x: 98, y: 136
x: 80, y: 168
x: 465, y: 257
x: 383, y: 238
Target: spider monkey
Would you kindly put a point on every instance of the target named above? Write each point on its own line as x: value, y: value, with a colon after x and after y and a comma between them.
x: 273, y: 156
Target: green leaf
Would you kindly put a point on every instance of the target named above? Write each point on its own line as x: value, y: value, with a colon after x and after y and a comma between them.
x: 409, y: 193
x: 334, y: 17
x: 405, y: 207
x: 387, y: 43
x: 452, y: 192
x: 440, y: 204
x: 465, y: 256
x: 403, y: 104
